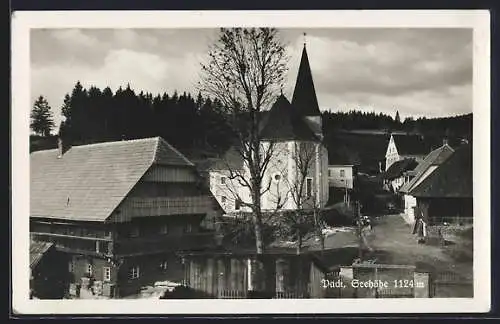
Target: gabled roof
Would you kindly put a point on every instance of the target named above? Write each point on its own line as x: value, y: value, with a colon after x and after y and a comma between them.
x: 37, y: 251
x: 88, y: 182
x: 232, y: 160
x: 304, y: 95
x: 436, y: 157
x: 413, y: 144
x: 452, y: 179
x: 285, y: 123
x: 397, y: 169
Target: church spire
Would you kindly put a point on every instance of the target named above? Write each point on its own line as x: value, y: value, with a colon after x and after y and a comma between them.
x: 304, y: 95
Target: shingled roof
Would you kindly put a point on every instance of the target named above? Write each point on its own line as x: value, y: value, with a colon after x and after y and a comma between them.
x: 397, y: 169
x: 88, y: 182
x: 452, y: 179
x: 413, y: 144
x: 37, y: 251
x: 284, y: 122
x: 304, y: 95
x: 231, y: 160
x: 434, y: 158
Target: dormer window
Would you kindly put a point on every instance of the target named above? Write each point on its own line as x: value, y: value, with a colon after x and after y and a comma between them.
x: 222, y: 180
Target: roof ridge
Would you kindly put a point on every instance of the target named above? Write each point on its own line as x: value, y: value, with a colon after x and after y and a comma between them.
x: 109, y: 143
x: 160, y: 139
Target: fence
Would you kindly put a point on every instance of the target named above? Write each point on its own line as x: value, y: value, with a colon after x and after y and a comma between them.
x: 452, y: 220
x: 232, y: 294
x: 450, y: 284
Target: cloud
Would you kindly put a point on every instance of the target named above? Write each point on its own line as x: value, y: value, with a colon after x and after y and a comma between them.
x: 389, y: 70
x: 416, y: 71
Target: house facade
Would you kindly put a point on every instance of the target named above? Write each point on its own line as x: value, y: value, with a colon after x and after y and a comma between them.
x: 341, y: 176
x: 402, y: 147
x: 293, y: 133
x: 421, y: 172
x: 119, y: 211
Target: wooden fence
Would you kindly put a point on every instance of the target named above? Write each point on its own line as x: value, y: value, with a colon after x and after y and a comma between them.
x: 450, y: 285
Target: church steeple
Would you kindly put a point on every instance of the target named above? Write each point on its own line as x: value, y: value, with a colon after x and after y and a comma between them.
x: 304, y: 95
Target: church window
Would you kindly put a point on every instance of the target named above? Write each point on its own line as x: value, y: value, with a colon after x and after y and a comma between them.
x: 309, y: 187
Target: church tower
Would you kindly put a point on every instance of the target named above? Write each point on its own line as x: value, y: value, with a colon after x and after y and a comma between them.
x: 304, y: 96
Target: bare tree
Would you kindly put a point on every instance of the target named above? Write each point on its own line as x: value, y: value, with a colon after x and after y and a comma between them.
x: 245, y: 70
x: 304, y: 216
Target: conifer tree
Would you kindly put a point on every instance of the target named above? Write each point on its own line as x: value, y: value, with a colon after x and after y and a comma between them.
x: 42, y: 121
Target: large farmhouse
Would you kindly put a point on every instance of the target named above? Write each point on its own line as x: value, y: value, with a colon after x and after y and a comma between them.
x: 118, y: 211
x: 294, y: 129
x: 445, y: 196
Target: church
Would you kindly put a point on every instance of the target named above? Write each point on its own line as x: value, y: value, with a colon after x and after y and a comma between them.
x: 297, y: 172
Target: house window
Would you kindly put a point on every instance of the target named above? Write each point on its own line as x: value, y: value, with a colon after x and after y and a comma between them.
x: 309, y: 182
x: 106, y: 273
x: 223, y: 180
x: 134, y: 232
x: 71, y: 266
x: 329, y: 173
x: 223, y: 199
x: 188, y: 228
x: 89, y: 269
x: 164, y: 265
x: 133, y: 272
x: 164, y: 229
x: 342, y: 173
x: 237, y: 204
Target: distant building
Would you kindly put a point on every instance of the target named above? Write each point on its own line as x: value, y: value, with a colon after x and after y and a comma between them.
x: 294, y: 129
x: 342, y: 175
x: 445, y: 196
x: 342, y: 181
x: 119, y: 211
x: 421, y: 172
x: 398, y: 173
x: 407, y: 147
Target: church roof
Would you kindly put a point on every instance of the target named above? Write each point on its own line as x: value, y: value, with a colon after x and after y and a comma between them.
x: 304, y: 95
x: 284, y: 122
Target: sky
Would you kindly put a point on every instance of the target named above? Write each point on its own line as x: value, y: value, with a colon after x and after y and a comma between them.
x: 418, y: 72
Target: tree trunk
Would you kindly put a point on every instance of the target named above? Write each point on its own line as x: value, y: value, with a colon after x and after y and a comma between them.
x: 259, y: 240
x: 299, y: 243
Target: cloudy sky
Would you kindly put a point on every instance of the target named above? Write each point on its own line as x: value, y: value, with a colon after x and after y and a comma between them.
x: 419, y: 72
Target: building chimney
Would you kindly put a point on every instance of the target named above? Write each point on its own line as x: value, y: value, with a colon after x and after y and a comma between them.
x: 62, y: 146
x: 445, y: 141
